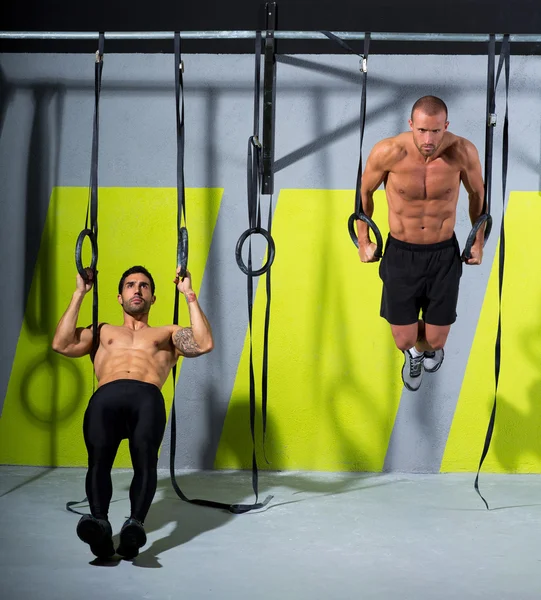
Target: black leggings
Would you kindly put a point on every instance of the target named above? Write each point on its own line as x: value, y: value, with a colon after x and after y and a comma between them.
x: 122, y: 409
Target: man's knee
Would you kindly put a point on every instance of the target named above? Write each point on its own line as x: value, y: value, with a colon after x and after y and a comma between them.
x: 102, y: 454
x: 144, y: 453
x: 405, y: 338
x: 404, y: 344
x: 436, y: 338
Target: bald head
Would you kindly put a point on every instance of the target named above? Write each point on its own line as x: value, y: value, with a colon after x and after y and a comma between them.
x: 430, y: 106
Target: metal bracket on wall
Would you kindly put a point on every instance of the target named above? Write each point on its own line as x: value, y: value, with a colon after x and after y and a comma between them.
x: 269, y: 100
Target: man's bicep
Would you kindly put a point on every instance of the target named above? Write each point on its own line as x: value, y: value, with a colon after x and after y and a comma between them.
x: 184, y: 342
x: 83, y: 342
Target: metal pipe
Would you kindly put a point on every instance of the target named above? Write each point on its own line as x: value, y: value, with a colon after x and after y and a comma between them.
x: 285, y: 35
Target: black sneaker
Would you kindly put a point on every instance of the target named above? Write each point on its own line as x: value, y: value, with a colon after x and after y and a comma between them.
x: 412, y: 371
x: 97, y: 533
x: 132, y: 537
x: 433, y: 360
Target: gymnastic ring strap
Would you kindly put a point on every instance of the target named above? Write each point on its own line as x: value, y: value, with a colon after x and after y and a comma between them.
x: 79, y: 251
x: 182, y: 251
x: 504, y: 61
x: 72, y: 503
x: 375, y: 230
x: 486, y: 218
x: 270, y: 254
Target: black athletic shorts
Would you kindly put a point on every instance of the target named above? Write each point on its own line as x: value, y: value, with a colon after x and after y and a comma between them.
x: 420, y: 278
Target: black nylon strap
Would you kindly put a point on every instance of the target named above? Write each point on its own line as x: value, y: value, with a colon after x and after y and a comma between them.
x: 94, y: 189
x: 182, y: 243
x: 359, y: 214
x: 265, y: 366
x: 364, y: 77
x: 91, y: 219
x: 341, y: 42
x: 91, y: 228
x: 490, y: 124
x: 182, y: 231
x: 504, y: 61
x: 269, y: 100
x: 486, y: 219
x: 255, y: 182
x: 72, y: 503
x: 255, y: 176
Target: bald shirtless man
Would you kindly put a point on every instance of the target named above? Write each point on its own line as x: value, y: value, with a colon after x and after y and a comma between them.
x: 421, y: 267
x: 131, y: 363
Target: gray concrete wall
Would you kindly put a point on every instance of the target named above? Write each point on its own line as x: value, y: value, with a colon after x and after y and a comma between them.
x: 46, y: 110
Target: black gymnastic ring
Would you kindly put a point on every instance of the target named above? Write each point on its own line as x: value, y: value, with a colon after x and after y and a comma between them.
x: 182, y: 251
x: 79, y: 251
x: 351, y: 228
x: 270, y: 254
x: 485, y: 218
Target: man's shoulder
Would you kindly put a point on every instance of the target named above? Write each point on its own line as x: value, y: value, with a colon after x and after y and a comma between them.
x: 395, y: 142
x: 166, y: 329
x: 389, y: 150
x: 101, y: 325
x: 459, y: 141
x: 461, y: 146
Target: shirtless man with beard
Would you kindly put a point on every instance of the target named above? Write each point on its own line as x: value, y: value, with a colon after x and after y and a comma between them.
x: 132, y: 362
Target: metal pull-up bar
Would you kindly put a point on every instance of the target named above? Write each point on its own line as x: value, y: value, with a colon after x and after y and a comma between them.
x: 247, y: 35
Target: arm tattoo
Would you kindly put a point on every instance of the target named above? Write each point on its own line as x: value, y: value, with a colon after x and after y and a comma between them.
x: 185, y: 343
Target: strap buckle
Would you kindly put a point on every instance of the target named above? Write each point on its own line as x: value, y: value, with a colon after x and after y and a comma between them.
x: 363, y: 64
x: 492, y: 118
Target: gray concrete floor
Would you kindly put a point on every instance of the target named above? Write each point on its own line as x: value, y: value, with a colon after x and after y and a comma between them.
x: 323, y: 536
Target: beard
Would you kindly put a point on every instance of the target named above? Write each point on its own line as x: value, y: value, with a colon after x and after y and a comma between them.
x: 135, y: 309
x: 427, y: 152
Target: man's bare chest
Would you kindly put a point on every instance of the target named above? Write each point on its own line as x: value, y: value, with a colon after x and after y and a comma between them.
x: 438, y: 180
x: 149, y: 339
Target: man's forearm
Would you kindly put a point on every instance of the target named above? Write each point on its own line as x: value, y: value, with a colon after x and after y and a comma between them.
x: 200, y: 325
x: 476, y: 210
x: 363, y: 231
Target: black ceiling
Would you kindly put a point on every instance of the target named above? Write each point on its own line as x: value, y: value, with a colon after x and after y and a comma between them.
x: 423, y: 16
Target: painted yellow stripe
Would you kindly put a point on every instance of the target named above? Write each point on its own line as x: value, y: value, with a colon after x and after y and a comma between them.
x: 516, y: 443
x: 334, y: 383
x: 47, y: 394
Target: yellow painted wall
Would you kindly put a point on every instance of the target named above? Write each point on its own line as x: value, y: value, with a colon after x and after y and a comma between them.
x: 516, y: 442
x: 41, y: 422
x: 334, y: 384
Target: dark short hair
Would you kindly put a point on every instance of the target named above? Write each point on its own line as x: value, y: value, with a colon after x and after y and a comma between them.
x: 430, y: 105
x: 131, y: 271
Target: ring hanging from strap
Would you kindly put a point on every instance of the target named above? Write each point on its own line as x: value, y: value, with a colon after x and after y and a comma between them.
x: 182, y: 262
x: 486, y: 218
x: 362, y: 217
x: 79, y: 251
x: 359, y: 214
x: 182, y: 251
x: 489, y: 142
x: 270, y: 255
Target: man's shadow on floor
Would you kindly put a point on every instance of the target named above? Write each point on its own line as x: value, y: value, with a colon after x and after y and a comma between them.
x: 188, y: 520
